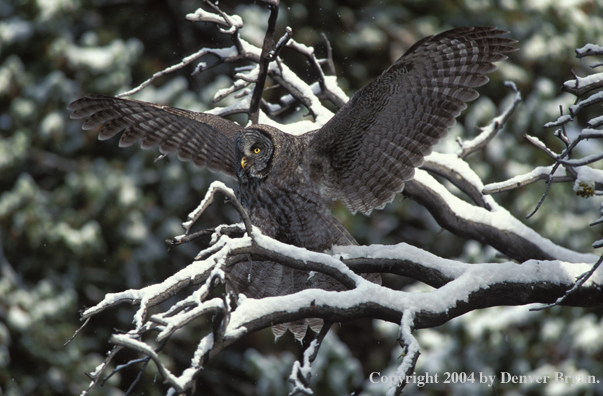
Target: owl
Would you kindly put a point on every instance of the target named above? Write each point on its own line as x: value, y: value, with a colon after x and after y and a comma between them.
x: 361, y: 157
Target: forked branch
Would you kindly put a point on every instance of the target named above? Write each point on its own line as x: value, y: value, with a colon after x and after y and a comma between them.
x: 233, y: 317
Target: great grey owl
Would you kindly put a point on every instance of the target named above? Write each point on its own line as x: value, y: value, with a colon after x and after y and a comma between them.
x: 361, y: 157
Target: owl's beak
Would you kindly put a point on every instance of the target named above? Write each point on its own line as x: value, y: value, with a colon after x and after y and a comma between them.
x: 243, y: 162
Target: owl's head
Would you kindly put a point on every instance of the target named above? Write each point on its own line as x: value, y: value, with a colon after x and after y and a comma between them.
x: 254, y: 151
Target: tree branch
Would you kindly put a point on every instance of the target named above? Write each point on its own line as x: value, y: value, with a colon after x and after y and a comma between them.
x: 265, y: 57
x: 481, y: 225
x: 490, y: 131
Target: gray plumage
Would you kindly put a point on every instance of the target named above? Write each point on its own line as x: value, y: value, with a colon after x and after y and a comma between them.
x: 361, y: 157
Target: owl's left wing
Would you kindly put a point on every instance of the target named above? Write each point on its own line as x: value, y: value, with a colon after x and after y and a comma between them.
x: 370, y: 147
x: 205, y: 139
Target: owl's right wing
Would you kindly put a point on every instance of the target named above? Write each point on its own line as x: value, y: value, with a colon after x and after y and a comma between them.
x: 205, y: 139
x: 366, y: 152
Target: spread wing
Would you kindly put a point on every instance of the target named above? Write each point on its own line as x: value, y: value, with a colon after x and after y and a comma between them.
x: 205, y: 139
x: 366, y: 152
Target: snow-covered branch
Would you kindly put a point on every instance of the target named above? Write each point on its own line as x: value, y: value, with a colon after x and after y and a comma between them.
x: 489, y: 132
x: 250, y: 81
x: 544, y: 272
x: 460, y: 288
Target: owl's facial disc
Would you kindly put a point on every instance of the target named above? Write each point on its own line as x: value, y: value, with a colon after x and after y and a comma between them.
x: 254, y: 150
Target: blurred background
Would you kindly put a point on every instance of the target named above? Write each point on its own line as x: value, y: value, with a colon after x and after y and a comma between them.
x: 80, y: 218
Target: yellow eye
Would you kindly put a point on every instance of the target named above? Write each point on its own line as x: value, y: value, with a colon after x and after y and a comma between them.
x: 256, y: 150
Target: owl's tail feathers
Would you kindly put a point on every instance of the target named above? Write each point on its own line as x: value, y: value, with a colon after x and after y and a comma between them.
x: 299, y: 328
x: 259, y: 279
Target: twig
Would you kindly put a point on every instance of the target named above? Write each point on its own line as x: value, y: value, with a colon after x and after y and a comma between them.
x: 489, y: 131
x: 549, y: 183
x: 138, y: 377
x: 95, y: 377
x: 186, y: 238
x: 560, y: 161
x: 583, y: 161
x: 297, y: 95
x: 77, y: 332
x: 139, y: 346
x: 233, y: 23
x: 589, y: 50
x: 330, y: 62
x: 162, y: 291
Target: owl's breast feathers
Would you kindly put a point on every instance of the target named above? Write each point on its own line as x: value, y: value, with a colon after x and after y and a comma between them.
x: 287, y: 204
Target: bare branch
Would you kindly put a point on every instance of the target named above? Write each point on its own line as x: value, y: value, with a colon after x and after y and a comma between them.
x: 231, y: 54
x: 562, y: 120
x: 533, y: 281
x: 267, y: 47
x: 282, y: 42
x: 549, y: 183
x: 297, y: 95
x: 186, y: 61
x: 492, y: 287
x: 161, y: 292
x: 232, y: 231
x: 329, y: 59
x: 77, y: 331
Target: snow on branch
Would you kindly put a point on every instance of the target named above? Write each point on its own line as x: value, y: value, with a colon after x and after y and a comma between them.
x: 587, y: 181
x: 460, y: 289
x: 589, y: 50
x: 538, y: 173
x: 581, y: 85
x: 262, y: 63
x: 411, y: 353
x: 495, y: 227
x: 544, y: 273
x: 232, y: 22
x: 489, y: 131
